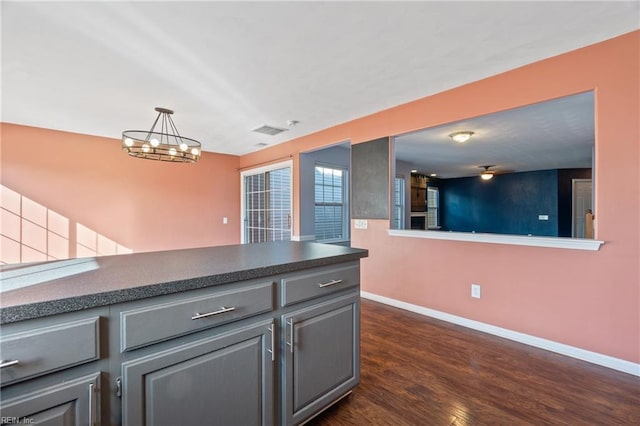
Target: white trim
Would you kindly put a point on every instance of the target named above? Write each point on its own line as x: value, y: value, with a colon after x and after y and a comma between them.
x: 255, y: 171
x: 549, y: 345
x: 518, y: 240
x: 303, y: 237
x: 267, y: 168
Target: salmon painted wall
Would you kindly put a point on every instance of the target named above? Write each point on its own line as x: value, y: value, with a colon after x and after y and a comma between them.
x: 72, y: 195
x: 588, y: 300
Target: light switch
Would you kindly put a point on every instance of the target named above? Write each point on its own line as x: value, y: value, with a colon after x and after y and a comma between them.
x: 361, y: 224
x: 225, y: 220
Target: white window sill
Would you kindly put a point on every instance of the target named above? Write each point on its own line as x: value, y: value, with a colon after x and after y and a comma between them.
x: 519, y: 240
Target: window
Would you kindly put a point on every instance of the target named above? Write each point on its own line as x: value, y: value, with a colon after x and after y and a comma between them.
x: 398, y: 203
x: 433, y: 201
x: 331, y: 214
x: 267, y: 205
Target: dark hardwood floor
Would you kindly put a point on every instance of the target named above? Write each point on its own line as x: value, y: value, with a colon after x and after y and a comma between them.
x: 421, y: 371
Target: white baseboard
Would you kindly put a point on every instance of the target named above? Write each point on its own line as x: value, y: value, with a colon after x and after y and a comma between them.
x: 582, y: 354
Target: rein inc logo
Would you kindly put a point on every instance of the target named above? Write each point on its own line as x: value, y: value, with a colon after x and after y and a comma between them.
x: 9, y: 420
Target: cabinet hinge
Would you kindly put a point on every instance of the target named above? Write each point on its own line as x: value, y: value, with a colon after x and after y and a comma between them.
x: 119, y: 387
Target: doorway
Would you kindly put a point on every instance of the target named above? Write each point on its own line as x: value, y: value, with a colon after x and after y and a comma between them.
x: 582, y: 194
x: 266, y: 203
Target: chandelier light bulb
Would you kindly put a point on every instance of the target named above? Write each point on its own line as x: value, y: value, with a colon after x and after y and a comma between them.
x: 146, y: 148
x: 155, y: 142
x: 184, y: 146
x: 195, y: 151
x: 128, y: 142
x: 172, y: 151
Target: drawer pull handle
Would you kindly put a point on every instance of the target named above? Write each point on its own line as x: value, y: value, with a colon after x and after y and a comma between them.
x: 272, y: 350
x: 210, y: 314
x: 91, y: 399
x: 332, y: 282
x: 290, y: 323
x: 4, y: 364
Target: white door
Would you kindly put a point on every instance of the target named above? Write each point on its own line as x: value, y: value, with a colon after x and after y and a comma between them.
x: 266, y: 204
x: 582, y: 190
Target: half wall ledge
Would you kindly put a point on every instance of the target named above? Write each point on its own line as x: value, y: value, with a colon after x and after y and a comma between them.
x: 518, y: 240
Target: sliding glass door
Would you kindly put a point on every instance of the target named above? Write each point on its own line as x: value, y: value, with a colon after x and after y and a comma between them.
x: 267, y: 204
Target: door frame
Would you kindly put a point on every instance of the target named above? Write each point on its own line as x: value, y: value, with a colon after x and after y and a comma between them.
x: 574, y: 212
x: 255, y: 171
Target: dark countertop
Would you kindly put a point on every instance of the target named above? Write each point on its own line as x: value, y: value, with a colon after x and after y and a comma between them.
x: 48, y: 288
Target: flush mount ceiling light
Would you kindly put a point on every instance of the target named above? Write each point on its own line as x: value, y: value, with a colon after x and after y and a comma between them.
x: 163, y: 144
x: 487, y: 174
x: 461, y: 137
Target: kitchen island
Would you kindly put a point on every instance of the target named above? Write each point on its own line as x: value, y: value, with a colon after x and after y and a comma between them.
x: 246, y: 334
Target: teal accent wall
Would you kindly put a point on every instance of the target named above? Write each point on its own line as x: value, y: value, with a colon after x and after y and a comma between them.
x: 506, y: 204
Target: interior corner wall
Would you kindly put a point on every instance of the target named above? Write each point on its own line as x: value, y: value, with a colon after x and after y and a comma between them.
x: 102, y: 196
x: 307, y: 199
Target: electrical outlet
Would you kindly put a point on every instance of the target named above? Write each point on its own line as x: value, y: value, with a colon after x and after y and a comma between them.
x: 361, y: 224
x: 543, y: 217
x: 475, y: 291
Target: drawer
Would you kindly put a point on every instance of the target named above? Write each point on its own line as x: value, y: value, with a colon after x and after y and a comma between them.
x: 159, y: 322
x: 47, y: 349
x: 319, y: 282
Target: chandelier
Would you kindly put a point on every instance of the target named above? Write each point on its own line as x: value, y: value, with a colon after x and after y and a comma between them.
x: 163, y: 144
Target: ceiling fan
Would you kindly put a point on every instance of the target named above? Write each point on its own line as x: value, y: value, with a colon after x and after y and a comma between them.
x: 487, y: 174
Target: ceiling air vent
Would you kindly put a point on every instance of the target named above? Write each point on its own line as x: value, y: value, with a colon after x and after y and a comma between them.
x: 269, y: 130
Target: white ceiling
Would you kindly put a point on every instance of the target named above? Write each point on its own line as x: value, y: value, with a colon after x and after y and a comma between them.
x: 557, y: 134
x: 228, y: 67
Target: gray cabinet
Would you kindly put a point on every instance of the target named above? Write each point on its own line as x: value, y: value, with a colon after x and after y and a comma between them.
x: 70, y: 403
x: 321, y: 356
x: 222, y: 380
x: 269, y: 350
x: 41, y: 349
x: 187, y: 313
x: 51, y: 370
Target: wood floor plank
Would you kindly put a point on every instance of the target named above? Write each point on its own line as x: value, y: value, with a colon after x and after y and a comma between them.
x: 421, y: 371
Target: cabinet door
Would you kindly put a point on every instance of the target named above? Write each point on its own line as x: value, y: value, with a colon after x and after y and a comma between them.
x: 222, y: 380
x: 73, y: 402
x: 321, y: 349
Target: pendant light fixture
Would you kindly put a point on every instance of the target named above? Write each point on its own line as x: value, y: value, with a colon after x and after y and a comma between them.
x: 162, y: 144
